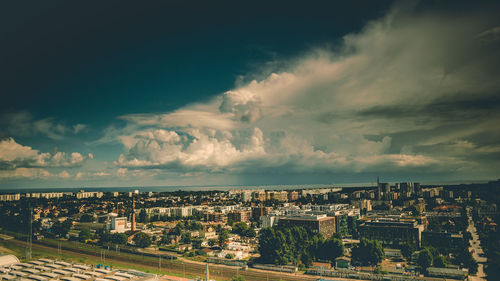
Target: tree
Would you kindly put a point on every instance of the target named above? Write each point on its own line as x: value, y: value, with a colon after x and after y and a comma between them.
x: 218, y: 228
x: 223, y: 237
x: 193, y: 225
x: 61, y: 229
x: 119, y: 238
x: 37, y: 225
x: 424, y: 259
x: 331, y: 249
x: 242, y: 229
x: 286, y: 245
x: 407, y: 249
x: 272, y: 246
x: 164, y: 240
x: 143, y: 216
x: 196, y: 243
x: 368, y: 252
x: 337, y: 235
x: 377, y: 270
x: 239, y: 228
x: 142, y: 240
x: 439, y: 261
x: 250, y: 232
x: 186, y: 238
x: 87, y: 218
x: 105, y: 236
x: 84, y: 235
x: 465, y: 258
x: 177, y: 230
x: 229, y: 256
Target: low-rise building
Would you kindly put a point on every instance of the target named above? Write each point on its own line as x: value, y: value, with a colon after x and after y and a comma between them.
x: 342, y: 262
x: 240, y: 215
x: 119, y: 225
x: 216, y: 216
x: 391, y: 231
x: 46, y: 195
x: 443, y: 240
x: 316, y: 223
x: 447, y: 273
x: 82, y: 194
x: 10, y: 197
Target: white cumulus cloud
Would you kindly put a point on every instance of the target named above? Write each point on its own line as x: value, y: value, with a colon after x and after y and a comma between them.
x: 397, y: 96
x: 19, y: 160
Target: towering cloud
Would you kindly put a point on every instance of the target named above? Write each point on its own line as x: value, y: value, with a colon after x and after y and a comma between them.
x: 408, y: 93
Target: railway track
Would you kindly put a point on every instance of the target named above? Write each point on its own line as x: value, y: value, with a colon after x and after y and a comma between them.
x: 179, y: 267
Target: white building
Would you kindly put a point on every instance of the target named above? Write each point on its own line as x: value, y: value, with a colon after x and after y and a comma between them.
x: 82, y: 194
x: 181, y: 212
x: 268, y: 221
x: 10, y: 197
x: 226, y: 209
x: 47, y: 195
x: 246, y: 196
x: 363, y: 204
x: 119, y: 225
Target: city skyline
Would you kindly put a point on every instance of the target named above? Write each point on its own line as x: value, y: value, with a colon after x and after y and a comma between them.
x: 164, y: 95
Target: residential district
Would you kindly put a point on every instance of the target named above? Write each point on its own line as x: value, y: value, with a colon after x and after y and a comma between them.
x: 399, y: 231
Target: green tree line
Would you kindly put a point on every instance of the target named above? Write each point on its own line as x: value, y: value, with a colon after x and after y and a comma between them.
x: 296, y: 245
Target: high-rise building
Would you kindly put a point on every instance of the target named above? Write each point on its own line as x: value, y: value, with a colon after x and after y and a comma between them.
x: 259, y: 196
x: 363, y: 204
x: 268, y: 221
x: 407, y: 187
x: 418, y: 188
x: 133, y: 214
x: 379, y: 189
x: 277, y: 195
x: 293, y: 195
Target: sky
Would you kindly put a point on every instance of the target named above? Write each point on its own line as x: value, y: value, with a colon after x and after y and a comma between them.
x: 122, y: 93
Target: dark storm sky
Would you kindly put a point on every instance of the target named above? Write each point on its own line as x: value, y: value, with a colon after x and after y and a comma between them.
x: 225, y: 92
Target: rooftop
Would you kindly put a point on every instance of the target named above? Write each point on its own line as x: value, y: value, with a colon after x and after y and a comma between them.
x: 48, y: 270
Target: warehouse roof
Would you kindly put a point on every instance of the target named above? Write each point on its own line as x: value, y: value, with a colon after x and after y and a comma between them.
x: 7, y: 260
x: 52, y: 270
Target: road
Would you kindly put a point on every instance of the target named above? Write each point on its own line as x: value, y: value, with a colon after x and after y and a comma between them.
x: 477, y: 251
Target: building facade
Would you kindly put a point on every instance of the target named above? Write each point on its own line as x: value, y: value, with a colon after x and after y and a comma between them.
x: 391, y: 231
x: 316, y: 223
